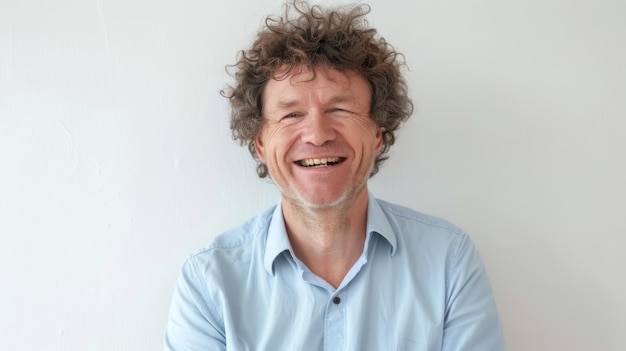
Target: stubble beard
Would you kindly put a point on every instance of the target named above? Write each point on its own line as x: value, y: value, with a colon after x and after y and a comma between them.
x: 346, y: 199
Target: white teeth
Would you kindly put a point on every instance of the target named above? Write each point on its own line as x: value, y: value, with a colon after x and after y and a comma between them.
x: 311, y: 162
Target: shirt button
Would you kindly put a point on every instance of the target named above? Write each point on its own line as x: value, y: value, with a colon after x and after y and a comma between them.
x: 336, y: 300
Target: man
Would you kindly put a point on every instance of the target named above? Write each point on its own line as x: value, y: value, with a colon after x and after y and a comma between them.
x: 318, y: 97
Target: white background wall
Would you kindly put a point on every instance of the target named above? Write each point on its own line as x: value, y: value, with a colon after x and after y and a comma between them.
x: 116, y: 159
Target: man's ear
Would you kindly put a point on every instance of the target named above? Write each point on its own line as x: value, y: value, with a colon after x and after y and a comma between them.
x: 258, y: 146
x: 379, y: 139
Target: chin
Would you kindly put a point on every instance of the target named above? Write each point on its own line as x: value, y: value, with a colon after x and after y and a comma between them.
x: 322, y: 201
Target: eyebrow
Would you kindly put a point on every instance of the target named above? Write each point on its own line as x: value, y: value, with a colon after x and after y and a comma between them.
x: 286, y: 103
x: 333, y: 100
x: 343, y: 98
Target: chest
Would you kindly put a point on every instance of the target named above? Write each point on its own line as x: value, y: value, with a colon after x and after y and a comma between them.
x: 384, y: 306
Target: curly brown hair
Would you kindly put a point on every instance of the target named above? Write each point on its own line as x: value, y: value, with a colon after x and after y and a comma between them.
x: 337, y: 38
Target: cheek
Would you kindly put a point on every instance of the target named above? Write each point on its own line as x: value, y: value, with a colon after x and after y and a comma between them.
x: 367, y: 131
x: 275, y: 140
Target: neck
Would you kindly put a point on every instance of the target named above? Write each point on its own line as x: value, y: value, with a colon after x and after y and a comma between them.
x: 328, y: 240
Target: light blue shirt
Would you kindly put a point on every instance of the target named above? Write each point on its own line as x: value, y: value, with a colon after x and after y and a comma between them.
x: 418, y: 285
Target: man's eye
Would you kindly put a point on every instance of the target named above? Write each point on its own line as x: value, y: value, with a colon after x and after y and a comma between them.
x: 291, y: 115
x: 339, y: 110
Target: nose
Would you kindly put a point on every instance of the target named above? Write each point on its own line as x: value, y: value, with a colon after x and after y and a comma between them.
x: 317, y: 130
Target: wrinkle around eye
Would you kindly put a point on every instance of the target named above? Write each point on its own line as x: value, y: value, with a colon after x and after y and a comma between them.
x: 340, y: 111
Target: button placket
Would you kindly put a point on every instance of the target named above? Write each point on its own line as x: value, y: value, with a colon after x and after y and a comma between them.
x: 335, y: 324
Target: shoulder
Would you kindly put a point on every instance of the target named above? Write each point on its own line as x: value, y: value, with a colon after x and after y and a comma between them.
x: 421, y: 236
x: 235, y: 245
x: 401, y: 215
x: 420, y: 232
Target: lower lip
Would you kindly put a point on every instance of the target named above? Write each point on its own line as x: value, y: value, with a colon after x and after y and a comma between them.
x: 321, y: 168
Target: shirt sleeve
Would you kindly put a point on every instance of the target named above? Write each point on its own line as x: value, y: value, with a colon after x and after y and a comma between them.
x: 471, y: 320
x: 192, y: 323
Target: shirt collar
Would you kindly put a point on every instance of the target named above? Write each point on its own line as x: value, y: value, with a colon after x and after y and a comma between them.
x: 278, y: 241
x: 377, y: 222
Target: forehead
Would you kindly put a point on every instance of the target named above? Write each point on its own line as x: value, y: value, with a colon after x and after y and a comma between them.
x: 304, y: 82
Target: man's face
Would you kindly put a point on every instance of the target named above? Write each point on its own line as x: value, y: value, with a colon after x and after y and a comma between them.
x: 318, y: 140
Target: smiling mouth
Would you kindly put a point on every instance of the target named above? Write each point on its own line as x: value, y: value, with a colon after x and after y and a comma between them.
x: 320, y: 162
